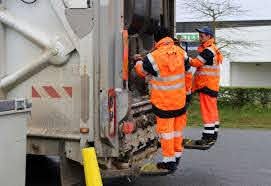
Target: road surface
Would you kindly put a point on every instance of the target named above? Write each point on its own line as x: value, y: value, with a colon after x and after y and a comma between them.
x: 240, y: 157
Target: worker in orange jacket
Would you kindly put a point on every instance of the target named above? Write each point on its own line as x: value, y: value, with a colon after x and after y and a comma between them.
x: 165, y: 65
x: 206, y: 83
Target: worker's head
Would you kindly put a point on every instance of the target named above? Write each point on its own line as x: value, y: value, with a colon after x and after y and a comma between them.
x: 205, y: 33
x: 160, y: 33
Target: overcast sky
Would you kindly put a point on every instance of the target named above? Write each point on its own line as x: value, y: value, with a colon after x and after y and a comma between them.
x: 257, y: 10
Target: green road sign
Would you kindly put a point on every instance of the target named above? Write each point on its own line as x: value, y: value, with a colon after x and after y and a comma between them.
x: 188, y: 37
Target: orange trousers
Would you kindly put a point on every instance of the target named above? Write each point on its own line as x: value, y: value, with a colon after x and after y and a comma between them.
x: 171, y: 138
x: 209, y: 112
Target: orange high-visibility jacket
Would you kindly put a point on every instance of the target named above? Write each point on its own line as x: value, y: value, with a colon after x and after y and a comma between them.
x: 207, y: 75
x: 167, y: 85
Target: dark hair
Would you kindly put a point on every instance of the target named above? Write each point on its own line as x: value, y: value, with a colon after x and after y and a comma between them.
x: 160, y: 33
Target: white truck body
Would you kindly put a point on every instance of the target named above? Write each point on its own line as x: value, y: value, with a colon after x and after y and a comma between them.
x: 65, y: 56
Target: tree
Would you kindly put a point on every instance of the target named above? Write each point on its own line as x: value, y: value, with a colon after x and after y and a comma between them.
x: 215, y: 10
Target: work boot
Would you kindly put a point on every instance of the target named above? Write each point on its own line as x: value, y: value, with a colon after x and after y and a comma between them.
x: 205, y: 143
x: 171, y: 166
x: 206, y: 140
x: 159, y: 169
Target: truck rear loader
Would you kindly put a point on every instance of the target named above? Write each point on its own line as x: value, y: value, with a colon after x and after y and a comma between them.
x: 72, y: 61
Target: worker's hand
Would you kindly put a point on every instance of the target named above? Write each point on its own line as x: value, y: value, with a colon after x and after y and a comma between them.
x: 137, y: 57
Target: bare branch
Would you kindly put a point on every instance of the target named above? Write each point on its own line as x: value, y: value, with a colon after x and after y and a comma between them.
x: 215, y: 10
x: 229, y: 45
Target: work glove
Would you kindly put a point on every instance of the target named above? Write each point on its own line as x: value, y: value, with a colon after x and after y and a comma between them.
x: 137, y: 57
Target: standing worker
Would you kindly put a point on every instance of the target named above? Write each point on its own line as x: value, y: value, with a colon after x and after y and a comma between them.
x: 206, y: 83
x: 165, y: 65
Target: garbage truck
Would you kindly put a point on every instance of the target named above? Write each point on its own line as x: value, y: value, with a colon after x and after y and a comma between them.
x: 72, y: 62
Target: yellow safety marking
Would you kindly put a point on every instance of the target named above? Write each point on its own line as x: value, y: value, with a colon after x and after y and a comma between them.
x: 91, y: 167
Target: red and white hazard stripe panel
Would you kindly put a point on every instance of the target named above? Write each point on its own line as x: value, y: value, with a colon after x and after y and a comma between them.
x: 49, y: 91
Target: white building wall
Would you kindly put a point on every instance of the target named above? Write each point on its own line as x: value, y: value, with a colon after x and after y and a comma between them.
x: 259, y: 51
x: 251, y: 74
x: 225, y: 73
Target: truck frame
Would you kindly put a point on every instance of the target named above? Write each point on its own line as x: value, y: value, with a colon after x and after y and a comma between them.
x: 69, y: 59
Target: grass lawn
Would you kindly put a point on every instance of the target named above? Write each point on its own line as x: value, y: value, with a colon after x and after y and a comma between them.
x: 246, y: 117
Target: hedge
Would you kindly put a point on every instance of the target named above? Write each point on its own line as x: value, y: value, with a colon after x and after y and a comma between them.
x: 242, y: 96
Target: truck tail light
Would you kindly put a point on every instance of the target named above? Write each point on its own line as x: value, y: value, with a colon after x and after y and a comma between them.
x: 112, y: 112
x: 125, y: 38
x: 128, y: 127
